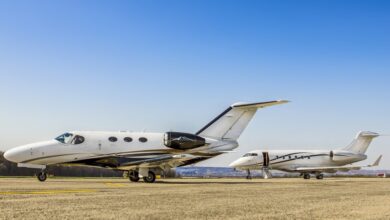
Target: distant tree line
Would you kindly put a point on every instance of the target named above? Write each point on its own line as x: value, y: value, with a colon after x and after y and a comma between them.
x: 8, y: 168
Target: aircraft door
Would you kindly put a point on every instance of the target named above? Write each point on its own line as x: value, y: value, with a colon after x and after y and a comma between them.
x: 265, y: 159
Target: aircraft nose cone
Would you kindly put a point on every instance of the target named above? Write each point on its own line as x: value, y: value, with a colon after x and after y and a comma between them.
x: 241, y: 162
x: 10, y: 155
x: 235, y: 164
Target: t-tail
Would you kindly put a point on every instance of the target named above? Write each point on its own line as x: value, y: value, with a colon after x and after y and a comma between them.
x: 232, y: 122
x: 361, y: 142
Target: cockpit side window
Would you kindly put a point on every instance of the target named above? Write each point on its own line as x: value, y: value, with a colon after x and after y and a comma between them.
x: 64, y: 138
x: 78, y: 139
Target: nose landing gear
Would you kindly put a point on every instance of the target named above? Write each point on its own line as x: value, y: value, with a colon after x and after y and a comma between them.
x: 42, y: 176
x: 248, y: 176
x: 320, y: 176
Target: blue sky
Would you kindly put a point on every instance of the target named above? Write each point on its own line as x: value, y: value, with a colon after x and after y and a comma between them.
x: 174, y: 65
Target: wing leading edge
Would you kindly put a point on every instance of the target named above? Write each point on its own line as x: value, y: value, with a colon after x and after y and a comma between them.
x: 332, y: 169
x: 125, y: 163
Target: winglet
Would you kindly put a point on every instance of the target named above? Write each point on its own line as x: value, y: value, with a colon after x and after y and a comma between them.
x: 376, y: 163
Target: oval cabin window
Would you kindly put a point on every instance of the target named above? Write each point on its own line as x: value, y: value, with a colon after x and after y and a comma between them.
x: 112, y: 139
x: 128, y: 139
x: 142, y: 139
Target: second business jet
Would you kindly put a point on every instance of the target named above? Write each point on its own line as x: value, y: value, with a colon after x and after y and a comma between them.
x: 308, y: 162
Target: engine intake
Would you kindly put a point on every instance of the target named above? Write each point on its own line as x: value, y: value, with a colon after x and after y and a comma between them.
x: 183, y: 141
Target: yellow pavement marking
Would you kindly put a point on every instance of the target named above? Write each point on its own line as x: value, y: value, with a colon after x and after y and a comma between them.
x: 48, y: 192
x: 115, y: 184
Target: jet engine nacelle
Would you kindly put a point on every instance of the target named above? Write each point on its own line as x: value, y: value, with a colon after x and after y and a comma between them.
x: 335, y: 157
x: 183, y: 141
x: 341, y: 156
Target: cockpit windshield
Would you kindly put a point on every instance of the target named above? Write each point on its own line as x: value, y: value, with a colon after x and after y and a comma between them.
x: 69, y: 138
x: 64, y: 138
x: 250, y: 155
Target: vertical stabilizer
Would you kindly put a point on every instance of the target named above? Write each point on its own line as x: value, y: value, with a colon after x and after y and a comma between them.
x: 360, y: 144
x: 232, y: 122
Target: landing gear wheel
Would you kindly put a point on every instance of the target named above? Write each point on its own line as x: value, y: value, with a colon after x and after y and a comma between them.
x: 133, y: 176
x: 306, y: 176
x: 320, y: 176
x: 42, y: 176
x: 151, y: 178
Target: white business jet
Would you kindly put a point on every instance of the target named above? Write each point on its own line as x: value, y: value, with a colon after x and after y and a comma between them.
x: 142, y: 154
x: 308, y: 162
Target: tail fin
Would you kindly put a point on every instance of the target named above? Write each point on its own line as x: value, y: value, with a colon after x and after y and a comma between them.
x: 360, y: 143
x: 232, y: 122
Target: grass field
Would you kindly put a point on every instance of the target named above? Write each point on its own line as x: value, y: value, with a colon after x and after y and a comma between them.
x: 68, y: 198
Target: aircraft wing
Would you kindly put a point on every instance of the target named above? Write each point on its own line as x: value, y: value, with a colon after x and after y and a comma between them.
x: 170, y: 160
x: 333, y: 169
x: 128, y: 162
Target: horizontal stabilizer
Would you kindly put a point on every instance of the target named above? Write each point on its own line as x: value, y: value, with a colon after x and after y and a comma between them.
x: 376, y: 163
x: 259, y: 104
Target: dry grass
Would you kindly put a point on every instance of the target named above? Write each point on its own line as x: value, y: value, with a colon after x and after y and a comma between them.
x: 342, y: 198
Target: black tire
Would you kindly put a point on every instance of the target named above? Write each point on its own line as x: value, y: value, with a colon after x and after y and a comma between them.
x: 151, y: 178
x: 133, y: 176
x: 306, y: 176
x: 42, y: 176
x: 320, y: 176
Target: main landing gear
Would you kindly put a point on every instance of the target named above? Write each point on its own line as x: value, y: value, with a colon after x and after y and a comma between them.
x: 133, y: 176
x: 319, y: 176
x: 149, y: 178
x: 42, y: 176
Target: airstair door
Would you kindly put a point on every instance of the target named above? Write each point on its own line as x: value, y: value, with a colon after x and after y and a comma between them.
x: 265, y: 159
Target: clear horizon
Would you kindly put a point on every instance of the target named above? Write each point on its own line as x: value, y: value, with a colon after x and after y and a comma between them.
x: 174, y: 65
